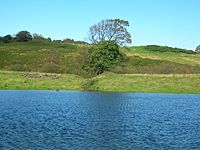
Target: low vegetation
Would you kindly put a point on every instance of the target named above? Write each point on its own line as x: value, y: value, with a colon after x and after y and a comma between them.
x: 109, y: 82
x: 16, y: 80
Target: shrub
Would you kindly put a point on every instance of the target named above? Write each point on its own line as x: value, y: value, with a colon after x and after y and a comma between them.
x: 90, y: 85
x: 7, y: 39
x: 168, y: 49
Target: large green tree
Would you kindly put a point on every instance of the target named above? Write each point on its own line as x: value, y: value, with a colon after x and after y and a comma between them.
x: 23, y: 36
x: 110, y: 30
x: 102, y: 56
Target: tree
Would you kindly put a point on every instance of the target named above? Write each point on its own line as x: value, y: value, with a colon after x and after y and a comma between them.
x: 110, y: 30
x: 23, y: 36
x: 102, y: 56
x: 7, y: 39
x: 38, y: 37
x: 49, y: 39
x: 197, y: 49
x: 1, y: 39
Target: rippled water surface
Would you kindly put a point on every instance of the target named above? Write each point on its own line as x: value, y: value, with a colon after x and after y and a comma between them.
x: 50, y: 120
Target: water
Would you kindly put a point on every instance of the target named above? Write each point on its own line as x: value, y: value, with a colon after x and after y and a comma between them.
x: 53, y: 120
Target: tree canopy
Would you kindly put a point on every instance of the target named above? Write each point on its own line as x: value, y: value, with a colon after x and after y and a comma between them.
x: 102, y: 56
x: 110, y: 30
x: 197, y: 49
x: 23, y: 36
x: 7, y: 39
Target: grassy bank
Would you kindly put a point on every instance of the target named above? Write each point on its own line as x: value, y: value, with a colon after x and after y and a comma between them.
x: 149, y: 83
x: 106, y: 82
x: 14, y: 80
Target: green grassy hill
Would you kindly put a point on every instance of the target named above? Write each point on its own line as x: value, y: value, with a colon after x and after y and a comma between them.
x: 68, y: 58
x: 144, y: 68
x: 43, y: 57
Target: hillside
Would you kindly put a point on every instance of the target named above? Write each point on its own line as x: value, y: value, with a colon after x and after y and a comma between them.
x: 68, y: 58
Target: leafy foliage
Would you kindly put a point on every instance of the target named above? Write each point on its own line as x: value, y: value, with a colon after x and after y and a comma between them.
x: 197, y: 49
x: 1, y: 39
x: 103, y: 56
x: 90, y: 85
x: 23, y: 36
x: 68, y: 40
x: 7, y: 39
x: 109, y: 30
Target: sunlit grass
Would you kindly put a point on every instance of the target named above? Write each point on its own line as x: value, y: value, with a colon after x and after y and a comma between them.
x: 105, y: 82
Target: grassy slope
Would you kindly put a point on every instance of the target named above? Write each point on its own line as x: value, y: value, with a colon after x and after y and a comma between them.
x: 142, y: 60
x: 43, y: 57
x: 182, y: 58
x: 69, y: 58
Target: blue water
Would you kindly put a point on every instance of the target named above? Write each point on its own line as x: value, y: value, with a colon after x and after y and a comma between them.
x: 50, y: 120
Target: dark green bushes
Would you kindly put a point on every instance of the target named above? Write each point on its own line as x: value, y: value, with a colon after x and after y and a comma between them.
x: 168, y: 49
x: 197, y: 49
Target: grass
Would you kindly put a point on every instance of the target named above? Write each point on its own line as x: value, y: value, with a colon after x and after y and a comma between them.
x: 112, y: 82
x: 35, y: 56
x: 38, y: 56
x: 14, y: 80
x: 149, y: 83
x: 157, y: 62
x: 176, y: 57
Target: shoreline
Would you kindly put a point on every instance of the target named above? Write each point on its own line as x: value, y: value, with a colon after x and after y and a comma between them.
x: 107, y: 82
x: 101, y: 92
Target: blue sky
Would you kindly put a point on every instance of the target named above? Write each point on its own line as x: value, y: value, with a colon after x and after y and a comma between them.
x: 174, y: 23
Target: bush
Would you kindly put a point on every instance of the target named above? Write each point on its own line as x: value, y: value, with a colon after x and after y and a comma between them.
x: 168, y: 49
x: 7, y: 39
x: 90, y: 85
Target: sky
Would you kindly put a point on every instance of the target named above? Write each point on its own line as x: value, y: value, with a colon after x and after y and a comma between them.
x: 173, y: 23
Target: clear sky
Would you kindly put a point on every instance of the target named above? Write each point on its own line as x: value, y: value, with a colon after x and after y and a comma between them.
x: 174, y: 23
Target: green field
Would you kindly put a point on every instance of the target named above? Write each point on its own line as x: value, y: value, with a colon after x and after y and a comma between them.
x: 105, y: 82
x: 14, y: 80
x: 144, y: 68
